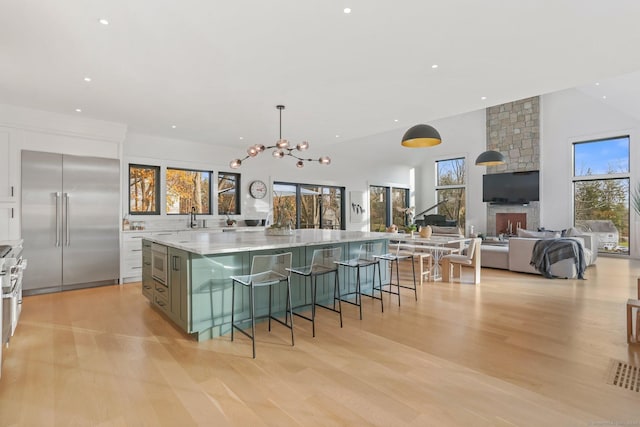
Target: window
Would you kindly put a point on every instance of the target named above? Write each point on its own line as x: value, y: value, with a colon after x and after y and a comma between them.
x: 388, y: 205
x: 451, y: 190
x: 228, y: 193
x: 187, y: 190
x: 399, y: 205
x: 308, y: 205
x: 144, y: 190
x: 601, y: 191
x: 378, y: 208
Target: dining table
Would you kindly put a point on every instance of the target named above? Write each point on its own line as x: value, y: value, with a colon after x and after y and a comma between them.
x: 437, y: 245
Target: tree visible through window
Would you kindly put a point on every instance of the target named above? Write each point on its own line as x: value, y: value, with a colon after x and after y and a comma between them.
x: 144, y: 190
x: 451, y: 190
x: 388, y: 205
x: 378, y: 208
x: 228, y: 193
x: 601, y: 191
x: 187, y: 189
x: 308, y: 206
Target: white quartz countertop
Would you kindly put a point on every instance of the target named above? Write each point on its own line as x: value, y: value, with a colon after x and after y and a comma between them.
x: 12, y: 243
x: 204, y: 243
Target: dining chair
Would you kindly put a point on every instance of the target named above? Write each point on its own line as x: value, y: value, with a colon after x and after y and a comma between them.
x: 266, y: 271
x: 471, y: 259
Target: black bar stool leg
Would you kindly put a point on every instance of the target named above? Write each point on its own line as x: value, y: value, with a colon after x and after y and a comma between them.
x: 290, y: 306
x: 314, y: 288
x: 233, y: 305
x: 253, y: 321
x: 337, y: 288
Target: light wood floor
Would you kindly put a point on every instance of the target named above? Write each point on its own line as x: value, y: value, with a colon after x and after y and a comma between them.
x: 516, y: 350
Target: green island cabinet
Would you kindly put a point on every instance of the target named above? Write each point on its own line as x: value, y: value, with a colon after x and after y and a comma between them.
x: 197, y: 296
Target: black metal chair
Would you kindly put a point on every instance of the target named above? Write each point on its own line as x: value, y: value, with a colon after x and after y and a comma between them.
x: 323, y: 261
x: 395, y: 258
x: 266, y: 271
x: 367, y: 257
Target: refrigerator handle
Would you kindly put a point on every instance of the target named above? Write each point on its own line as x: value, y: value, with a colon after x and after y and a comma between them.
x: 67, y: 242
x: 58, y: 207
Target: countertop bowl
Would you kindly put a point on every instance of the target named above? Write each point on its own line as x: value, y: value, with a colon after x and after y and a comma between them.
x: 251, y: 222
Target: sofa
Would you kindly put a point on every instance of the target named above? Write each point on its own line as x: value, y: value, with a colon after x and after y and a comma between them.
x: 515, y: 255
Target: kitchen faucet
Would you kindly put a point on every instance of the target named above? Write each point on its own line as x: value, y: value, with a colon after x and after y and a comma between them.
x: 193, y: 222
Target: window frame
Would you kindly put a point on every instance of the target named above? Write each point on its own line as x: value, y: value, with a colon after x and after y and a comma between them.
x: 298, y: 201
x: 459, y: 186
x: 575, y: 179
x: 156, y: 191
x: 388, y: 196
x: 166, y: 189
x: 238, y: 186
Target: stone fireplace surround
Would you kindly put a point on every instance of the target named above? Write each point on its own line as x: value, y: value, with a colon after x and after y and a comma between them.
x: 513, y: 129
x: 499, y: 215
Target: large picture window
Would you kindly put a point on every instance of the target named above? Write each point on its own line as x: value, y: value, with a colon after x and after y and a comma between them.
x: 451, y: 190
x: 144, y: 190
x: 188, y: 190
x: 228, y: 193
x: 601, y: 191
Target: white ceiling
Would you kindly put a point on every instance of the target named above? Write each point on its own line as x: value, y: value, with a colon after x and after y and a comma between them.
x: 217, y: 69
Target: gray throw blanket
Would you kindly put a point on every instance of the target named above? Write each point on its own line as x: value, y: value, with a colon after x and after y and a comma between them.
x: 549, y: 251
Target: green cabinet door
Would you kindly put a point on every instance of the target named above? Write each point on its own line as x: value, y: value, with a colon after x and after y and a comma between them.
x: 147, y: 281
x: 179, y: 287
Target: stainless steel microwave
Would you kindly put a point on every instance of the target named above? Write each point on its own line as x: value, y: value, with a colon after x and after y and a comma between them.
x: 159, y: 263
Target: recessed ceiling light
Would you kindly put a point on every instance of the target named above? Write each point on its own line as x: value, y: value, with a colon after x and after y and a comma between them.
x: 103, y: 21
x: 597, y: 83
x: 604, y: 96
x: 337, y: 136
x: 173, y: 126
x: 483, y: 97
x: 78, y: 110
x: 242, y: 137
x: 87, y: 79
x: 395, y: 120
x: 347, y: 10
x: 434, y: 66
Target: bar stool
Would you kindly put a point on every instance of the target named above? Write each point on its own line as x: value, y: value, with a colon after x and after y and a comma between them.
x: 266, y: 271
x: 394, y: 258
x: 323, y: 261
x: 366, y: 258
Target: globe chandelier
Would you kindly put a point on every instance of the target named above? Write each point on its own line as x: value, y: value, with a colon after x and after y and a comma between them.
x: 282, y: 149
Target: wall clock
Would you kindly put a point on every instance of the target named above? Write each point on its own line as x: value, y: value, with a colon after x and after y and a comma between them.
x: 258, y: 189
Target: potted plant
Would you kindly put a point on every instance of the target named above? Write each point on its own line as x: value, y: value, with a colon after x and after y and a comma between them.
x: 635, y: 198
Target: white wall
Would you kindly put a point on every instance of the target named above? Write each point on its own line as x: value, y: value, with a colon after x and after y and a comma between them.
x: 36, y: 130
x: 354, y: 166
x: 462, y: 136
x: 570, y: 116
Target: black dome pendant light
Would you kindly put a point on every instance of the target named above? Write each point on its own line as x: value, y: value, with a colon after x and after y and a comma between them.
x: 490, y: 158
x: 420, y: 136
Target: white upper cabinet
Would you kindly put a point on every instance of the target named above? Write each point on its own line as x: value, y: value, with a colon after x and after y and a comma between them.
x: 7, y: 187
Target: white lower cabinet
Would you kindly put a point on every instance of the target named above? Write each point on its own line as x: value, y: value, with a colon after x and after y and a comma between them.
x: 9, y: 229
x: 131, y: 254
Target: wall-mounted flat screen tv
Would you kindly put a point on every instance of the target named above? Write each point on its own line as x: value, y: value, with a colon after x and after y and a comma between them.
x: 511, y: 188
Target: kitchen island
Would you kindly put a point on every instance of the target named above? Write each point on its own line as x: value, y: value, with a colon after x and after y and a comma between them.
x: 188, y: 277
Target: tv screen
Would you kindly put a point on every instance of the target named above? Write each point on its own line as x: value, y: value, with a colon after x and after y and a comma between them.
x: 511, y: 187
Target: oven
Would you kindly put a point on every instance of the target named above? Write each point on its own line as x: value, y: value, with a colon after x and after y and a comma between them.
x: 159, y: 263
x: 13, y: 266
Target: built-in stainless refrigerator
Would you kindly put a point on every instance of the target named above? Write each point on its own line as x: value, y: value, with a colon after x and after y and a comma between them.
x: 70, y: 221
